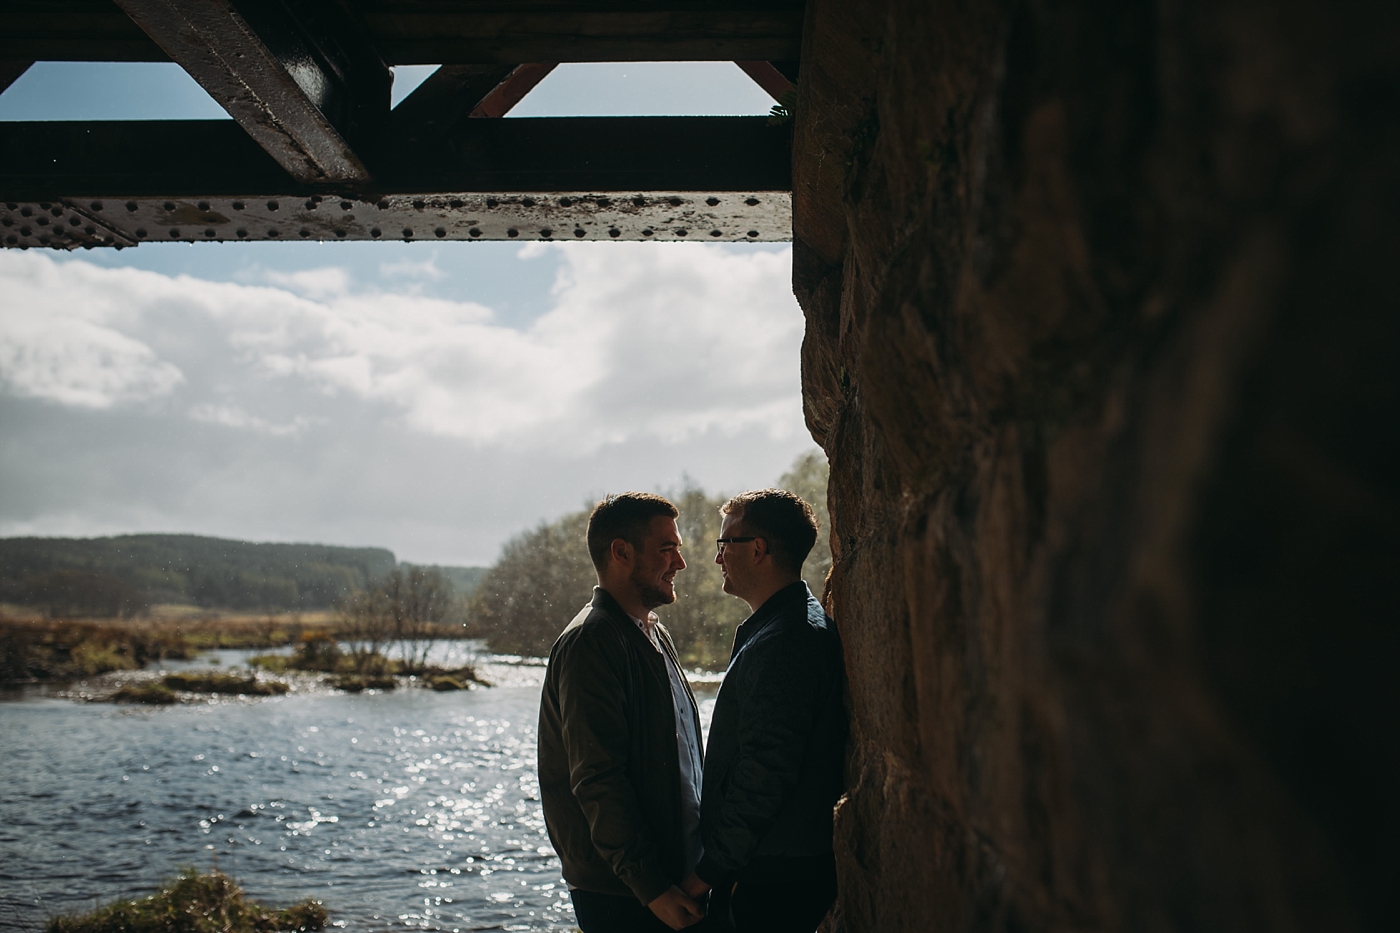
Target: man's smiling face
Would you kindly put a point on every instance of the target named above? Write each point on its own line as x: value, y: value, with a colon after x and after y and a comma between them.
x: 657, y: 563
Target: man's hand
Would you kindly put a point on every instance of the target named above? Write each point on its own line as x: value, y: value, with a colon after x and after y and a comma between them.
x: 693, y: 886
x: 676, y: 909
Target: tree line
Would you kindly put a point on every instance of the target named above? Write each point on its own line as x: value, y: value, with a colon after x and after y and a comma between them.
x: 123, y: 576
x: 544, y: 576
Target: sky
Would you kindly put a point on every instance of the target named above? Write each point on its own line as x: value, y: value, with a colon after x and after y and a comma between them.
x: 432, y: 398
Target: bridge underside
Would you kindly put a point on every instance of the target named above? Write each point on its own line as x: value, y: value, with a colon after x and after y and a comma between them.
x: 314, y: 151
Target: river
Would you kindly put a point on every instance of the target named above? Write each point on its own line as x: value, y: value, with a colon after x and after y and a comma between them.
x: 404, y: 809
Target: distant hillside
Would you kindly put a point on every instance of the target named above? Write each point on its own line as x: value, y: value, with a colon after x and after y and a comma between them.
x: 124, y: 574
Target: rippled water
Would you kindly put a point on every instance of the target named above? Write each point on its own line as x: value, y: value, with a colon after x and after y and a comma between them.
x: 404, y: 809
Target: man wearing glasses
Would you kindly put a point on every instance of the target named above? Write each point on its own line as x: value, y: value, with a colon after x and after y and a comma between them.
x: 775, y: 759
x: 619, y: 739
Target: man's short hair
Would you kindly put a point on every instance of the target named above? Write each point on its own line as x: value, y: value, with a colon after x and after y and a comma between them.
x: 783, y: 519
x: 627, y: 516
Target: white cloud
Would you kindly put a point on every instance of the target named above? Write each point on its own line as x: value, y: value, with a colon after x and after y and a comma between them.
x: 231, y: 416
x: 669, y: 341
x: 66, y: 345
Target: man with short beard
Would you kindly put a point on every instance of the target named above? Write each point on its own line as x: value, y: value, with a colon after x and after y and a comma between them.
x: 620, y: 758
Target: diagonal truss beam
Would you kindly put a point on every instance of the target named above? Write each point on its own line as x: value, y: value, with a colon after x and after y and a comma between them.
x: 10, y: 72
x: 307, y: 89
x: 457, y: 92
x: 768, y: 77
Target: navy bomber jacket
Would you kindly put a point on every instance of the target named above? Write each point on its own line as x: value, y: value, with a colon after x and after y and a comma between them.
x: 775, y: 761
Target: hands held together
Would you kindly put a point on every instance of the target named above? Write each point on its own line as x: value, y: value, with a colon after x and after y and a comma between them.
x: 679, y: 907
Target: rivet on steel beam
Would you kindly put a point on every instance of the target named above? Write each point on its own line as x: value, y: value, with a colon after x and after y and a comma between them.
x: 238, y: 205
x: 340, y: 233
x: 753, y: 233
x: 203, y: 205
x: 74, y: 222
x: 682, y: 232
x: 418, y: 205
x: 96, y: 205
x: 716, y: 233
x: 376, y: 232
x: 474, y: 232
x: 408, y: 233
x: 712, y: 201
x: 141, y: 232
x: 345, y: 205
x: 12, y: 239
x: 303, y: 233
x: 455, y: 204
x: 527, y: 202
x: 174, y: 233
x: 512, y: 232
x: 546, y: 233
x: 310, y: 205
x: 169, y: 205
x: 614, y: 232
x: 25, y: 231
x: 566, y: 202
x: 439, y: 233
x: 242, y: 234
x: 90, y: 231
x: 7, y: 222
x: 273, y: 232
x: 209, y: 232
x: 639, y: 201
x: 751, y: 202
x: 26, y: 212
x: 674, y: 202
x: 383, y: 205
x: 44, y: 205
x: 604, y: 202
x: 11, y: 205
x: 646, y: 233
x: 272, y: 205
x: 492, y: 202
x: 578, y: 231
x: 42, y: 221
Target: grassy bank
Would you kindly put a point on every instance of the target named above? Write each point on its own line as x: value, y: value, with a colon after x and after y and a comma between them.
x: 194, y: 903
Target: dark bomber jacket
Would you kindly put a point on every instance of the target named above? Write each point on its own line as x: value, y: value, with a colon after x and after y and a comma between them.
x: 609, y: 767
x: 775, y: 762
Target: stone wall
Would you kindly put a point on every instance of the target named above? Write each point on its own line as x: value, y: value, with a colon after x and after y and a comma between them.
x: 1104, y: 348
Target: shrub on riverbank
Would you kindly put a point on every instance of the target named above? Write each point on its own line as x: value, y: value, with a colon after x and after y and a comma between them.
x: 151, y: 693
x: 217, y: 682
x: 61, y: 650
x: 194, y: 903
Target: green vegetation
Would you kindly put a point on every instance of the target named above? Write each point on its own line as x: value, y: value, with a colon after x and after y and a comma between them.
x: 194, y: 903
x: 219, y: 682
x: 544, y: 577
x: 124, y: 576
x: 354, y: 683
x: 152, y: 693
x: 69, y: 650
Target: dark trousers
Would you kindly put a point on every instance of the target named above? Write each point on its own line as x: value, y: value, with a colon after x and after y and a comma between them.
x: 777, y: 896
x: 611, y: 913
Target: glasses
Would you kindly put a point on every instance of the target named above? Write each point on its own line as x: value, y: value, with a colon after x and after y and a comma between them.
x: 721, y: 542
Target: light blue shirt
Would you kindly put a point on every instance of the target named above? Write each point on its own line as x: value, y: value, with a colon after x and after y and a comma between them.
x: 688, y: 748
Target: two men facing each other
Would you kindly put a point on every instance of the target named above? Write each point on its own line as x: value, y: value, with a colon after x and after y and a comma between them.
x: 621, y: 766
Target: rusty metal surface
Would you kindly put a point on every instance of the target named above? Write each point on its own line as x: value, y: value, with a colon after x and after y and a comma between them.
x: 758, y: 216
x: 290, y: 84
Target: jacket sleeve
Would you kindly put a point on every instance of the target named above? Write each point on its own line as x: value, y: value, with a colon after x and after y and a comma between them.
x: 781, y: 693
x: 596, y: 740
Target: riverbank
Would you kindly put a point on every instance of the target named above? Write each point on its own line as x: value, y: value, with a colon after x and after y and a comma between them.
x: 194, y: 903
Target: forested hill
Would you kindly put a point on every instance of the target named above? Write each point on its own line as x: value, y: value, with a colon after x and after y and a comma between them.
x: 124, y: 574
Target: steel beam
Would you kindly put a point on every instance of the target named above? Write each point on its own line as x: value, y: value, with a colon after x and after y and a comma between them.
x: 305, y: 87
x: 66, y: 185
x: 421, y: 32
